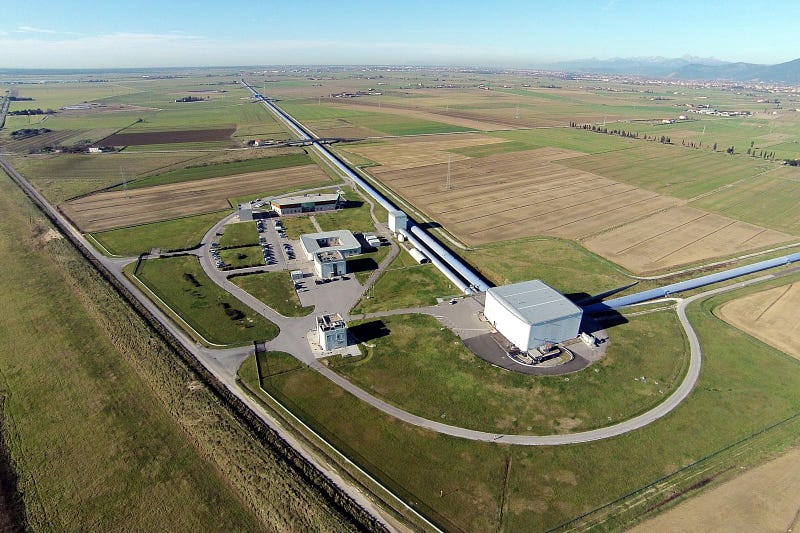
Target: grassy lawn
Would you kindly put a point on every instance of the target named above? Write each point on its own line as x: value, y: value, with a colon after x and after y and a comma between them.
x: 362, y: 266
x: 169, y: 235
x: 222, y: 169
x: 435, y: 376
x: 405, y: 285
x: 670, y: 170
x: 242, y: 257
x: 745, y: 386
x: 239, y: 234
x: 276, y: 290
x: 354, y: 217
x: 216, y: 315
x: 566, y: 266
x: 91, y: 441
x: 297, y: 225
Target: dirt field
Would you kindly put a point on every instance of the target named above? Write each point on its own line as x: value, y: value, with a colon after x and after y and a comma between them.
x: 126, y: 208
x: 503, y: 197
x: 418, y: 152
x: 680, y: 236
x: 166, y: 137
x: 507, y: 196
x: 764, y: 499
x: 770, y: 316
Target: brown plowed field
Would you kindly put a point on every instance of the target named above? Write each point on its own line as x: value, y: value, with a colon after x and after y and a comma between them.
x: 508, y: 196
x: 770, y: 316
x: 680, y: 236
x: 167, y: 137
x: 765, y: 499
x: 116, y: 209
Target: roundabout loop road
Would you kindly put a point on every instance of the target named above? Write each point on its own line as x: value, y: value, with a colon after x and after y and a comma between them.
x: 291, y: 327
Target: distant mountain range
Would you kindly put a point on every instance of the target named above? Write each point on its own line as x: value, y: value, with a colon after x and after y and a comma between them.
x: 686, y: 68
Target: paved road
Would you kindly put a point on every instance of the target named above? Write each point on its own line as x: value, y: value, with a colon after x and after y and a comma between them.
x: 222, y: 363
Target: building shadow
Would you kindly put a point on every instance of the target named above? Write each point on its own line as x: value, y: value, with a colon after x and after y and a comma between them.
x: 361, y: 264
x: 369, y: 331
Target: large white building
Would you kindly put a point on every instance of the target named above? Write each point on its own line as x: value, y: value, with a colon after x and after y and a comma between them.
x: 531, y: 313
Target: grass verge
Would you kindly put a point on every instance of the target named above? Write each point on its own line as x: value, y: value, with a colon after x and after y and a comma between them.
x: 276, y: 290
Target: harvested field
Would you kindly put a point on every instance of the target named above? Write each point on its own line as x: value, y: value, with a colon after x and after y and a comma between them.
x: 770, y: 316
x: 116, y: 209
x: 507, y: 196
x: 492, y: 195
x: 449, y: 118
x: 763, y: 499
x: 55, y: 138
x: 418, y: 152
x: 680, y: 236
x: 167, y: 137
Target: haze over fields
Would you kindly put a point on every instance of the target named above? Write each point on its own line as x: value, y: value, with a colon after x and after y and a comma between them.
x: 518, y: 34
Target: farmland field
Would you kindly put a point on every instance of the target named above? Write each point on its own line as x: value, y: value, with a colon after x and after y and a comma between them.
x: 166, y: 137
x: 116, y: 209
x: 680, y: 236
x: 762, y: 499
x: 769, y: 315
x: 637, y: 228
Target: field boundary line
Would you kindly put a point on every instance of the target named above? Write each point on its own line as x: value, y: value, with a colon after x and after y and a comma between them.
x: 90, y: 237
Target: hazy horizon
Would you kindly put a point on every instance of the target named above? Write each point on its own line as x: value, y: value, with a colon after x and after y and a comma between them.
x: 150, y: 34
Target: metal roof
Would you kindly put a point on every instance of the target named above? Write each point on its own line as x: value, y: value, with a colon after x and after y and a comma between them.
x: 347, y: 241
x: 316, y: 198
x: 534, y: 302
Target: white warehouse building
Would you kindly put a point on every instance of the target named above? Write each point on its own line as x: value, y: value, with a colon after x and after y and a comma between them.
x: 531, y: 313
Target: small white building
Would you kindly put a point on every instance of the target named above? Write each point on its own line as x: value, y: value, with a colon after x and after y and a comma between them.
x: 329, y: 264
x: 532, y: 313
x: 418, y: 256
x: 332, y: 332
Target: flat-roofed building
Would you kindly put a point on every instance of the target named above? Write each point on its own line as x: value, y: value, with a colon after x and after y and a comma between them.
x: 332, y: 332
x: 308, y: 203
x: 341, y: 240
x: 329, y: 264
x: 531, y: 313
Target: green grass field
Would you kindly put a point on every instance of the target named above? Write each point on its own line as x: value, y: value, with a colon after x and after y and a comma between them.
x: 404, y: 285
x: 92, y: 443
x: 213, y: 313
x: 436, y: 377
x: 769, y: 200
x: 169, y: 235
x: 745, y: 386
x: 241, y: 257
x: 276, y: 290
x: 239, y: 234
x: 566, y: 266
x: 362, y: 266
x: 671, y: 170
x: 322, y: 117
x: 354, y: 217
x: 297, y: 225
x: 221, y: 169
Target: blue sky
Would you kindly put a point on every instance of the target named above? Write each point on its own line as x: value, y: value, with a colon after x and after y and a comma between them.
x: 145, y: 33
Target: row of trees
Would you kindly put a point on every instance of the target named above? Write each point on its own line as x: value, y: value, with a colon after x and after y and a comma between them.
x: 36, y: 111
x: 622, y: 133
